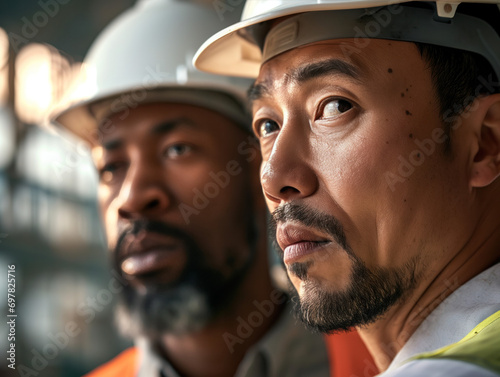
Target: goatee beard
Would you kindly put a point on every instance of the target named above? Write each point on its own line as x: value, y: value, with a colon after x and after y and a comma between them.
x: 369, y: 294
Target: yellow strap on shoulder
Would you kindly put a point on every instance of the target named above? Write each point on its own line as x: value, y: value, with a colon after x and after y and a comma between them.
x: 480, y: 347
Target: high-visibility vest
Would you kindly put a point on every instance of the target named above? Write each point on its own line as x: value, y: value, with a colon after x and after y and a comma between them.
x: 480, y: 347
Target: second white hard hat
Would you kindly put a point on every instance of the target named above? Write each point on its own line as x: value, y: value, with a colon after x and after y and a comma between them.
x: 145, y: 55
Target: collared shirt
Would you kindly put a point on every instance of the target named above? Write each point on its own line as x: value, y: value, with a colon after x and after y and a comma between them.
x: 288, y: 349
x: 451, y: 321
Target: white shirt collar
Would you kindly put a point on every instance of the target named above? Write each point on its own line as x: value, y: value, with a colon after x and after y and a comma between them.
x: 456, y: 316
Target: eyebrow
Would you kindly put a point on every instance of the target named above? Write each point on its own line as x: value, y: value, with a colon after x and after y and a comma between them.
x: 169, y: 126
x: 113, y: 144
x: 257, y: 91
x: 159, y: 129
x: 308, y: 72
x: 323, y: 68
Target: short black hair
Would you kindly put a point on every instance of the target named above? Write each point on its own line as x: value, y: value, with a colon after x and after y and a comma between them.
x: 458, y: 75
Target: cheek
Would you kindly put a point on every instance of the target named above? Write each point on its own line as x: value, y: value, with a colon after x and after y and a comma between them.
x: 216, y: 195
x: 353, y: 174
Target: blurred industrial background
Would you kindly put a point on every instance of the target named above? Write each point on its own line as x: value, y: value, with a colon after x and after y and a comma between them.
x: 49, y: 224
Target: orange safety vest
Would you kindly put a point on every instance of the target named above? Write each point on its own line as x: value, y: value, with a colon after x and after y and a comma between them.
x: 346, y: 352
x: 123, y: 365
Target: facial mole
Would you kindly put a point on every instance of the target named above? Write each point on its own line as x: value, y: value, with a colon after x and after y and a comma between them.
x: 411, y: 136
x: 389, y: 70
x: 402, y: 94
x: 408, y: 113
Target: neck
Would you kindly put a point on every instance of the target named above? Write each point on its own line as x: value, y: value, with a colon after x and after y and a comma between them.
x: 219, y: 348
x: 385, y: 337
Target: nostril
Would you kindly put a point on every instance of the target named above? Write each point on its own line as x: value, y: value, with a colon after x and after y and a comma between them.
x: 152, y: 204
x: 124, y: 214
x: 289, y: 189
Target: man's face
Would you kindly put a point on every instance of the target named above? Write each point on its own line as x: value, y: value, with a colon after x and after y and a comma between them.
x: 176, y: 202
x: 366, y: 202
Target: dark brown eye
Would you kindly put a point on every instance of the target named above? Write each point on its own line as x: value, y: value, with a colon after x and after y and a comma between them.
x: 267, y: 127
x: 335, y: 107
x: 177, y: 150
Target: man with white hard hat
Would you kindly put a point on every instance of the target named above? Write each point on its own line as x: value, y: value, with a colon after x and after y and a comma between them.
x: 182, y: 206
x: 379, y: 127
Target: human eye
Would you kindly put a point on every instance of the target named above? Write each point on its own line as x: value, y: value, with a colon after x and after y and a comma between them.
x: 177, y: 150
x: 333, y: 108
x: 111, y: 171
x: 265, y: 127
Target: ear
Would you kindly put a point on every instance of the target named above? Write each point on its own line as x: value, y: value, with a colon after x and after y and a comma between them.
x: 486, y: 162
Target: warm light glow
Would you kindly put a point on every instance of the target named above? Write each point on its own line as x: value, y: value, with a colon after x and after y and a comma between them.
x: 41, y: 76
x: 33, y: 83
x: 74, y: 87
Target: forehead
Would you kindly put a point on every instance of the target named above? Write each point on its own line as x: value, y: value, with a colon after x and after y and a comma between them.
x: 161, y: 118
x: 147, y: 125
x: 150, y: 113
x: 366, y: 59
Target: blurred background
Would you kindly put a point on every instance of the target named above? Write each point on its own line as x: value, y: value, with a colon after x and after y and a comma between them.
x: 49, y: 224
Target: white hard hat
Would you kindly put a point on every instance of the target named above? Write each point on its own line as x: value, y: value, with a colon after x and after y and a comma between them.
x: 145, y: 55
x: 240, y: 49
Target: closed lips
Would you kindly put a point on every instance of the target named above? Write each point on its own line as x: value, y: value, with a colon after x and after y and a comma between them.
x: 298, y: 242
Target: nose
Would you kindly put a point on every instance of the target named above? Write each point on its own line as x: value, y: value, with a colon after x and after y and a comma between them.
x: 286, y: 174
x: 143, y: 192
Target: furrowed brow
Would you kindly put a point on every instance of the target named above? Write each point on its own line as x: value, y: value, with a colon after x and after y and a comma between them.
x: 323, y: 68
x: 308, y: 72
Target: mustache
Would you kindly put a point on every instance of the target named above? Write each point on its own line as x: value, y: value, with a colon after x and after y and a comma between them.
x: 133, y: 228
x: 310, y: 218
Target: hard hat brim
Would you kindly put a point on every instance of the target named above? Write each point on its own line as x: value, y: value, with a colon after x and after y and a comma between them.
x: 234, y: 52
x: 83, y: 118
